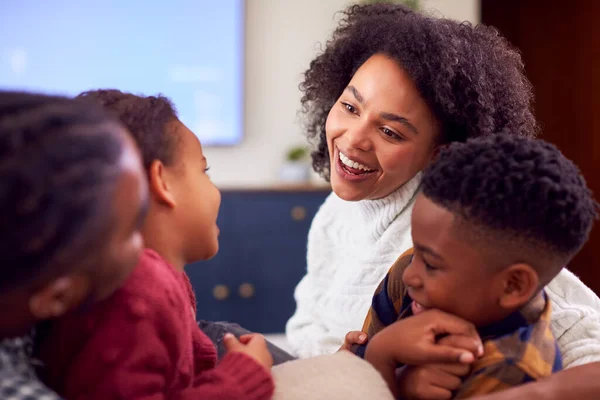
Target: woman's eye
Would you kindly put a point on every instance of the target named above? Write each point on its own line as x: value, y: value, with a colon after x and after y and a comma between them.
x: 390, y: 133
x: 349, y: 107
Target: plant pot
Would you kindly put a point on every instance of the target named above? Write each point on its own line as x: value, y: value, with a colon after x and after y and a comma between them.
x: 294, y: 172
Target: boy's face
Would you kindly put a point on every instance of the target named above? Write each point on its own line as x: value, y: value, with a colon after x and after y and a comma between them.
x: 198, y: 199
x: 447, y: 272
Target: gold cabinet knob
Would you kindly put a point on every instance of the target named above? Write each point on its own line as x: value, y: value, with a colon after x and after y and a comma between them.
x: 221, y: 292
x: 298, y: 213
x: 246, y: 290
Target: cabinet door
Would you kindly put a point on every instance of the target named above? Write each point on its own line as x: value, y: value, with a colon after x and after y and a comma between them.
x: 272, y: 256
x: 560, y: 45
x: 262, y: 258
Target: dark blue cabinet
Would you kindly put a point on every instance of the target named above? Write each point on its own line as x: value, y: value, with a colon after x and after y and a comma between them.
x: 262, y: 258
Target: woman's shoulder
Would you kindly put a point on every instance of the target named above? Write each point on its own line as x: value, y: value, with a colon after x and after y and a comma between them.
x: 567, y: 291
x: 575, y: 319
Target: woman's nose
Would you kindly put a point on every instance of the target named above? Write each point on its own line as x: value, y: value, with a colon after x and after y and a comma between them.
x: 359, y: 136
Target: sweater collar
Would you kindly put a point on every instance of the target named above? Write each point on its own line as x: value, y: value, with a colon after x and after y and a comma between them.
x: 380, y: 213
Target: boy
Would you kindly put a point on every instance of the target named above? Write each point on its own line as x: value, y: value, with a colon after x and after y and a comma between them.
x: 72, y: 195
x: 498, y: 217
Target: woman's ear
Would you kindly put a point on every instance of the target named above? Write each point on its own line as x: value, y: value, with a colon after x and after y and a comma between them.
x: 521, y: 283
x: 59, y: 296
x: 159, y: 185
x: 437, y: 149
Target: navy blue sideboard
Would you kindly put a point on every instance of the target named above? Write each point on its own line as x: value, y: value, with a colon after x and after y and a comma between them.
x: 262, y: 257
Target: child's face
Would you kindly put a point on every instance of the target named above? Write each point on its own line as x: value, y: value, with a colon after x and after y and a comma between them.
x: 112, y: 256
x: 198, y: 199
x: 447, y: 272
x: 129, y: 205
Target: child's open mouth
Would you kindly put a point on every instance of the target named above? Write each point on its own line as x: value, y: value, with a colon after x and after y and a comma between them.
x: 417, y: 308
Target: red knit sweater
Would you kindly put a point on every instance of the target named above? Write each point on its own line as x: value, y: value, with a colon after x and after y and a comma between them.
x: 143, y: 343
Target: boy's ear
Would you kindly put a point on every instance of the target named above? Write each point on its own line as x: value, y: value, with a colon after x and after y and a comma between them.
x: 521, y: 282
x: 59, y: 296
x: 159, y: 184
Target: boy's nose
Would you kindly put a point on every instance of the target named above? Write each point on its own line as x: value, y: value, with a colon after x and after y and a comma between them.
x: 411, y: 278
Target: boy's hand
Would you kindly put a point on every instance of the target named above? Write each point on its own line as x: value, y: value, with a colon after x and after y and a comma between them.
x: 253, y: 345
x: 431, y: 382
x: 352, y: 338
x: 434, y: 381
x: 412, y: 341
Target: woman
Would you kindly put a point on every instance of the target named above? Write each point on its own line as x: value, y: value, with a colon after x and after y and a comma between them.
x: 390, y: 88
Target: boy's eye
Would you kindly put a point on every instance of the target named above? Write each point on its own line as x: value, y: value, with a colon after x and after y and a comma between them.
x: 206, y: 169
x: 429, y: 267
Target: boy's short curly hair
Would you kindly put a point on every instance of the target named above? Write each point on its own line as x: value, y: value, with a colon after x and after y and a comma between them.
x: 519, y: 188
x: 469, y: 76
x: 146, y: 117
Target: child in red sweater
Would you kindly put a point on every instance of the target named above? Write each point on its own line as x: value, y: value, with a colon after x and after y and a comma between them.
x: 72, y: 195
x: 143, y: 342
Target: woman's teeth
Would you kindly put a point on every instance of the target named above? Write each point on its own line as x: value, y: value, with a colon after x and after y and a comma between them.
x: 353, y: 164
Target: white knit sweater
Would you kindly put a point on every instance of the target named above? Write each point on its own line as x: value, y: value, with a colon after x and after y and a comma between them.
x: 351, y: 246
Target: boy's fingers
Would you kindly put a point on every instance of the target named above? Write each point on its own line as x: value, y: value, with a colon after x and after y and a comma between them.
x: 437, y: 393
x: 356, y: 337
x: 448, y: 354
x: 443, y: 323
x: 455, y: 369
x: 463, y: 342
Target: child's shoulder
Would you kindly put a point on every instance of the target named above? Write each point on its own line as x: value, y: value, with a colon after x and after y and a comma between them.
x: 531, y: 347
x: 155, y: 282
x: 154, y: 292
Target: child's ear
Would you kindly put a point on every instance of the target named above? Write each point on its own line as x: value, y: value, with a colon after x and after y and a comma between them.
x: 521, y: 283
x: 59, y: 296
x: 159, y: 184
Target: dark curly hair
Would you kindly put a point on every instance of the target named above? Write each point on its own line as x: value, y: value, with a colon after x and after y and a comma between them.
x: 59, y: 160
x: 521, y: 188
x: 469, y: 76
x: 146, y: 117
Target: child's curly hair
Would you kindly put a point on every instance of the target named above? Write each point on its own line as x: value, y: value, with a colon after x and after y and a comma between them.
x: 470, y: 76
x: 519, y: 188
x: 59, y: 164
x: 146, y: 117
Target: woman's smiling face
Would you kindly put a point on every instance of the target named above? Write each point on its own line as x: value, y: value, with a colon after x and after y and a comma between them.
x: 380, y: 132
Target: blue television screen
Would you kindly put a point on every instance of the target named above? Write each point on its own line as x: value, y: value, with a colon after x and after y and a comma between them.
x: 189, y: 50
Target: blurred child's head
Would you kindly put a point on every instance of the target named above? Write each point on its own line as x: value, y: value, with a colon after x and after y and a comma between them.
x: 497, y: 219
x: 181, y: 223
x: 72, y: 199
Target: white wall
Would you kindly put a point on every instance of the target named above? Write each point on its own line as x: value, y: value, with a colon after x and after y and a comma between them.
x: 462, y: 10
x: 282, y: 37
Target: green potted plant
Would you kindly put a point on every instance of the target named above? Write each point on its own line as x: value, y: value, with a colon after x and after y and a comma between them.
x: 295, y: 167
x: 414, y: 4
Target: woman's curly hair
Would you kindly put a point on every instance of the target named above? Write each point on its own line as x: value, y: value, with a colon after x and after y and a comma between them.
x: 470, y: 76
